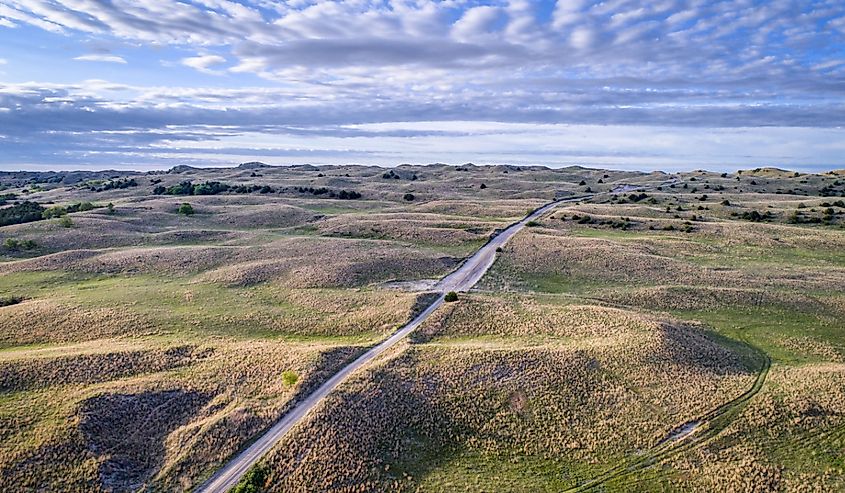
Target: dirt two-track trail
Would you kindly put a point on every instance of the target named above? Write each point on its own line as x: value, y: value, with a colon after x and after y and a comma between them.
x: 462, y: 279
x: 693, y: 434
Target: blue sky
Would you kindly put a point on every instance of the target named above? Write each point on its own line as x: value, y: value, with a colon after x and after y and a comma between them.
x: 662, y: 84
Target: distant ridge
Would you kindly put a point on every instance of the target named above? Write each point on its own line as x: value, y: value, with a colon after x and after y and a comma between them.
x: 182, y: 168
x: 63, y: 177
x: 253, y: 165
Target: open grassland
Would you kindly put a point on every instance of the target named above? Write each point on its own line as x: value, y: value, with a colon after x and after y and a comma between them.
x: 141, y: 347
x: 775, y: 287
x: 537, y: 395
x: 621, y: 342
x: 161, y: 413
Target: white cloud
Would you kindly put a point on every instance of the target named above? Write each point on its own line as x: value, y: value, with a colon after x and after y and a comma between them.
x: 100, y: 58
x: 476, y: 22
x: 329, y: 63
x: 582, y: 38
x: 203, y: 63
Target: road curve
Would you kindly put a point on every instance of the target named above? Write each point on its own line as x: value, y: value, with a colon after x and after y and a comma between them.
x: 462, y: 279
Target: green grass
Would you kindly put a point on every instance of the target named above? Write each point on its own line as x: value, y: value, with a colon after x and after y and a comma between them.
x: 185, y: 307
x: 470, y: 470
x: 764, y: 328
x: 565, y: 284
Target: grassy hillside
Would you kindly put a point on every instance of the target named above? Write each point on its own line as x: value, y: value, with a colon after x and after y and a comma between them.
x: 677, y: 332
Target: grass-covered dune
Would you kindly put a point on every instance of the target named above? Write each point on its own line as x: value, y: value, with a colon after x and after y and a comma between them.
x: 669, y: 332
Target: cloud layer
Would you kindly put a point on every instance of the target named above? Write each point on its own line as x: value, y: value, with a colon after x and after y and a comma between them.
x: 306, y: 71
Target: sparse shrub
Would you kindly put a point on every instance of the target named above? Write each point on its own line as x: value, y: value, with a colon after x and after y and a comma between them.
x: 499, y: 250
x: 113, y: 184
x: 289, y: 378
x: 66, y: 222
x: 10, y: 300
x: 185, y: 209
x: 408, y: 197
x: 483, y: 186
x: 110, y: 208
x: 451, y: 296
x: 11, y: 244
x: 726, y: 203
x: 532, y: 224
x: 254, y: 481
x: 755, y: 216
x: 53, y: 212
x: 344, y: 195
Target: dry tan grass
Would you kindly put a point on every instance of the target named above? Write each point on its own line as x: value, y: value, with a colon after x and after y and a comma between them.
x: 416, y: 228
x: 782, y: 441
x: 326, y: 262
x: 661, y: 260
x: 703, y: 297
x: 601, y: 391
x: 133, y: 418
x: 40, y: 321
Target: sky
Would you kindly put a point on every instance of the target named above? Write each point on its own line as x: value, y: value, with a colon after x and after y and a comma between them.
x: 625, y: 84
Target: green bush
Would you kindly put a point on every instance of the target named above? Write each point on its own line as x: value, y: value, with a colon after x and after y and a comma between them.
x: 186, y: 209
x: 55, y: 211
x: 451, y: 296
x: 289, y: 378
x: 253, y: 481
x: 65, y: 222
